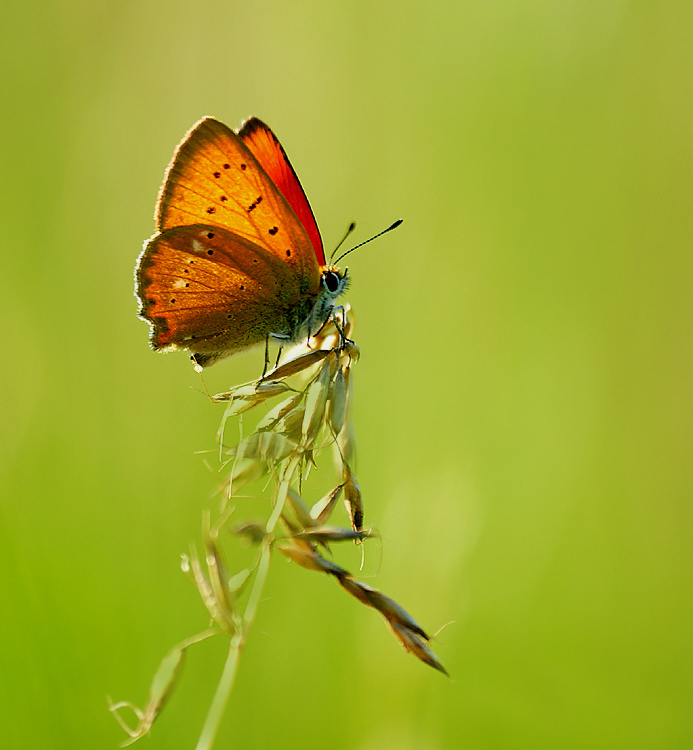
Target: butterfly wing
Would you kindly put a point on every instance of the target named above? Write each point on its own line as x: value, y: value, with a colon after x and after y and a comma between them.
x: 210, y: 291
x: 269, y: 152
x: 214, y: 178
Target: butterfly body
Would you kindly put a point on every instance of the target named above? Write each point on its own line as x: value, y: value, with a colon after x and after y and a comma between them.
x: 237, y: 256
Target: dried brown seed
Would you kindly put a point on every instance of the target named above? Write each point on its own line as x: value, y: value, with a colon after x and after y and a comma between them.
x: 356, y: 589
x: 415, y: 645
x: 401, y: 624
x: 394, y: 613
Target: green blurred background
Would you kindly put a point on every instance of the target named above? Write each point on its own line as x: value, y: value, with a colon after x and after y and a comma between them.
x: 523, y: 403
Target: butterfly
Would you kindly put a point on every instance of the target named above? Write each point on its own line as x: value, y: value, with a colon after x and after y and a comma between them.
x: 237, y: 257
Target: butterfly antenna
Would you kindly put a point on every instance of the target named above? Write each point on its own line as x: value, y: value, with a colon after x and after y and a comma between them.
x: 349, y: 230
x: 375, y: 236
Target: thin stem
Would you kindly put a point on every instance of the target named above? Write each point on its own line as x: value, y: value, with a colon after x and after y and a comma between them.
x: 282, y: 493
x: 258, y: 585
x: 221, y: 696
x: 228, y: 676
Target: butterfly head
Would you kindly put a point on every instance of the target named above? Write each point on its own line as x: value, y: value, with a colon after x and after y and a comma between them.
x: 333, y: 282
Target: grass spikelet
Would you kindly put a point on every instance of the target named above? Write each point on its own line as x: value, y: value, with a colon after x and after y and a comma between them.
x: 242, y: 473
x: 326, y: 534
x: 270, y: 447
x: 338, y: 402
x: 316, y: 401
x: 322, y: 510
x: 294, y: 366
x: 300, y: 509
x: 346, y: 445
x: 414, y: 644
x: 280, y: 411
x: 291, y: 423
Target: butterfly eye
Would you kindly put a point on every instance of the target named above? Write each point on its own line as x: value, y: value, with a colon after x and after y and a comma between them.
x: 331, y: 281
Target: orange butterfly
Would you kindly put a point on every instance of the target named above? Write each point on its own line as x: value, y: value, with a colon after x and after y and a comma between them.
x: 237, y: 257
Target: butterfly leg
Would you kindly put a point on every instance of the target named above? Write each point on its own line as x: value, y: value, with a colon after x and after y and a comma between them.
x: 264, y: 369
x: 340, y: 324
x: 281, y: 339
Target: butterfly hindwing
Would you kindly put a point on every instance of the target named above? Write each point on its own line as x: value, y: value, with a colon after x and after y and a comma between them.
x: 207, y: 290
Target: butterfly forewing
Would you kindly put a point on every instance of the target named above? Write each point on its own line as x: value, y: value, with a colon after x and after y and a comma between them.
x: 269, y: 152
x: 208, y: 290
x: 215, y: 179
